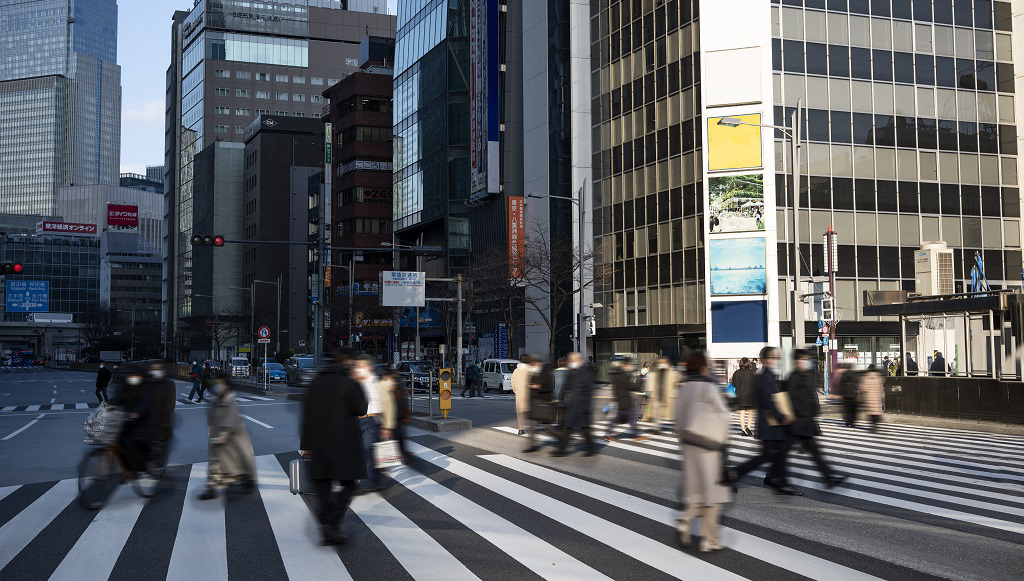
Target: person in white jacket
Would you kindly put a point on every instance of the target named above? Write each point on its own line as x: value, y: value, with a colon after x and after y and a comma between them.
x: 521, y: 387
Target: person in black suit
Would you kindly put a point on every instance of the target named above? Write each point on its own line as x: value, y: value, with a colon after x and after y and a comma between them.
x: 802, y: 386
x: 576, y: 404
x: 542, y: 386
x: 102, y: 381
x: 332, y: 440
x: 775, y: 440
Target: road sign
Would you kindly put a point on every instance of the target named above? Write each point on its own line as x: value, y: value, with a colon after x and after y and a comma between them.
x: 302, y: 342
x: 263, y: 340
x: 28, y: 296
x: 263, y: 333
x: 819, y: 342
x: 821, y: 324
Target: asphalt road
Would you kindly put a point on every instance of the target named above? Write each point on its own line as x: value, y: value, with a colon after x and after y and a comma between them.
x: 921, y: 503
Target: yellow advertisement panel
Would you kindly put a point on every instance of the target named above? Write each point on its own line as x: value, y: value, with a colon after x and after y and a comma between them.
x: 734, y: 143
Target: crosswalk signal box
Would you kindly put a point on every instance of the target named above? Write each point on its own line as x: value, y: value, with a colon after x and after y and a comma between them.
x: 444, y: 393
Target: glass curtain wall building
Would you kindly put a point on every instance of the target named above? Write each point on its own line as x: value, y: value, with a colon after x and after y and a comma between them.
x: 909, y: 132
x: 60, y: 99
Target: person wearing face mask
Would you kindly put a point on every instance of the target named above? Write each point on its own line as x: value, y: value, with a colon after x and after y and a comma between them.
x: 231, y: 456
x: 369, y: 424
x: 162, y: 393
x: 803, y: 393
x: 775, y: 440
x: 137, y: 433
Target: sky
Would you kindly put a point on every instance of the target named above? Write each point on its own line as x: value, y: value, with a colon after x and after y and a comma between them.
x: 143, y: 51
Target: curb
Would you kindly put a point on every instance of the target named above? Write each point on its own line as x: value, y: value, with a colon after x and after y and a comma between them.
x: 437, y: 424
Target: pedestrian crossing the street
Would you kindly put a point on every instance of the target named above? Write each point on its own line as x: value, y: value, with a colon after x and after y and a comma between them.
x: 468, y: 513
x: 54, y: 407
x: 969, y: 480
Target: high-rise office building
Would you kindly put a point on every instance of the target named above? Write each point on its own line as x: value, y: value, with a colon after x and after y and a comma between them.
x: 908, y: 135
x: 60, y: 100
x: 232, y: 61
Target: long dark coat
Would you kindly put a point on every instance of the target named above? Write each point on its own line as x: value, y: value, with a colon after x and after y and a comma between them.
x: 624, y: 386
x: 803, y: 393
x: 576, y: 397
x: 162, y: 391
x: 767, y: 384
x: 330, y: 426
x: 540, y: 398
x: 103, y: 377
x: 746, y: 392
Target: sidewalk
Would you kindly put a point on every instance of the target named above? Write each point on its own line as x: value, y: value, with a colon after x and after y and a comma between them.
x: 834, y: 410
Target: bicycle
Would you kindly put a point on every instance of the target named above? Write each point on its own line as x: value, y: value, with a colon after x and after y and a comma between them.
x: 103, y: 469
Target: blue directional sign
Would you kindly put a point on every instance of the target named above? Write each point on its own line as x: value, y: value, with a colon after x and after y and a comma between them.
x: 28, y: 296
x: 819, y: 342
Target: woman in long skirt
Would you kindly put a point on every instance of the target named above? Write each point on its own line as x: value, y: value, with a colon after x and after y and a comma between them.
x: 231, y: 456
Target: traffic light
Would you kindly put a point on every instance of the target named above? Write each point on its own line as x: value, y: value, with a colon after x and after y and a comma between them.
x: 11, y: 268
x: 444, y: 393
x: 826, y: 310
x: 200, y: 240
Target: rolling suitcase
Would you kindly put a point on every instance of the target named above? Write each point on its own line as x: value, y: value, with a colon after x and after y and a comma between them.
x: 298, y: 476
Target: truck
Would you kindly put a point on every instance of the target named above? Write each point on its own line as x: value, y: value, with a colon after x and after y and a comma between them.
x: 110, y: 356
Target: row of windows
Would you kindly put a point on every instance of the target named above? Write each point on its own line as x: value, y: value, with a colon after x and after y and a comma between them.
x: 640, y: 21
x: 978, y: 13
x: 374, y: 134
x: 886, y: 66
x: 280, y: 78
x: 377, y: 104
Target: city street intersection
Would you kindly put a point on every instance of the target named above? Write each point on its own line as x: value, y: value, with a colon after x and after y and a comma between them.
x: 920, y: 503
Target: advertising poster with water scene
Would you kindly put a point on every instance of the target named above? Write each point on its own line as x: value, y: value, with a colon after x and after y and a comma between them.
x: 737, y: 203
x: 738, y: 266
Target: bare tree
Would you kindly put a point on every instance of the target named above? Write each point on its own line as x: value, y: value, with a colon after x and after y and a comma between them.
x: 495, y: 286
x: 97, y: 326
x: 219, y: 327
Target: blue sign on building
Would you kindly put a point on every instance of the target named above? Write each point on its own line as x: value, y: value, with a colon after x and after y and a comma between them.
x: 28, y: 296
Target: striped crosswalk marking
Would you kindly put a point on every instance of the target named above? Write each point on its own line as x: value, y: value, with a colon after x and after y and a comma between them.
x: 18, y: 532
x: 95, y: 554
x: 199, y: 547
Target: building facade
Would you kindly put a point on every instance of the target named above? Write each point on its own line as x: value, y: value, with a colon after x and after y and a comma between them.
x: 908, y: 135
x: 149, y: 182
x: 130, y: 286
x: 70, y: 265
x: 114, y: 208
x: 232, y: 61
x: 60, y: 100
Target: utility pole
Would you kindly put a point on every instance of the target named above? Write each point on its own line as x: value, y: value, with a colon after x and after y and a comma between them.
x: 831, y: 251
x: 581, y: 317
x: 458, y: 336
x: 351, y: 298
x: 797, y: 303
x: 277, y: 332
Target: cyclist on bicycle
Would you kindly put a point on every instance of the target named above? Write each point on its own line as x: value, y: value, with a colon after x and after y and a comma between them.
x: 137, y: 433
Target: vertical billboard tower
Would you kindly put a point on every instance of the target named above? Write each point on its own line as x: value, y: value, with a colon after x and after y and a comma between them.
x: 740, y: 230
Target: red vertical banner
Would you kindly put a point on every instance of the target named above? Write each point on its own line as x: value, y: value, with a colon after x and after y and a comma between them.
x: 516, y: 236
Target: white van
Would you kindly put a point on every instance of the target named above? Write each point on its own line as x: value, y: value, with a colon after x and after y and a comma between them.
x: 496, y: 374
x: 238, y: 367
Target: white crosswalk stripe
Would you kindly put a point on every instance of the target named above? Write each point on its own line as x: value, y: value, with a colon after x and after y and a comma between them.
x: 410, y: 524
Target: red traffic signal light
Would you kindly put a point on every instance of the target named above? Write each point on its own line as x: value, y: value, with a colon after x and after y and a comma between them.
x: 200, y: 240
x: 11, y: 268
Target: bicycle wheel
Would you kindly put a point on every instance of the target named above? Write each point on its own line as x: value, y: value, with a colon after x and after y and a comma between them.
x: 147, y: 484
x: 98, y: 476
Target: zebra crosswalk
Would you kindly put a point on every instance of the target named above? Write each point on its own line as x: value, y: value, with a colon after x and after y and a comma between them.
x: 54, y: 407
x: 469, y: 513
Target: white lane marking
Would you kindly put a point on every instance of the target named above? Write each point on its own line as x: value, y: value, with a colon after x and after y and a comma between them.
x: 423, y: 557
x: 533, y: 553
x: 22, y: 429
x: 9, y: 408
x: 81, y: 406
x: 255, y: 421
x: 27, y: 524
x: 96, y: 552
x: 259, y: 397
x: 779, y: 555
x: 985, y: 437
x: 32, y: 408
x: 7, y: 490
x: 660, y: 556
x: 294, y: 527
x: 200, y: 549
x: 618, y: 445
x: 53, y: 400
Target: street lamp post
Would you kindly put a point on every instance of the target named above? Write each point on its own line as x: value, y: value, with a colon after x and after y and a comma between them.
x: 581, y: 337
x: 278, y: 285
x: 794, y: 137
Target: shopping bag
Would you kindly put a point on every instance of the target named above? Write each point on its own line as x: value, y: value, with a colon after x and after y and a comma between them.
x: 103, y: 425
x: 298, y: 476
x: 386, y: 454
x: 784, y: 405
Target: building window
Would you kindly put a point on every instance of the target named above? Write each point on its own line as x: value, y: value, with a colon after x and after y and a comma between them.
x: 281, y: 96
x: 222, y: 110
x: 239, y: 129
x: 315, y: 99
x: 244, y: 93
x: 299, y: 98
x: 282, y: 113
x: 243, y: 111
x: 263, y: 111
x: 299, y: 114
x: 281, y: 78
x: 246, y: 75
x: 262, y: 76
x: 223, y: 92
x: 222, y: 73
x: 332, y: 82
x: 299, y: 80
x: 319, y: 81
x: 220, y: 128
x: 351, y: 62
x: 262, y: 94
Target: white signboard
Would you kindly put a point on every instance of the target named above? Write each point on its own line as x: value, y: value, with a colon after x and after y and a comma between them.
x: 403, y: 289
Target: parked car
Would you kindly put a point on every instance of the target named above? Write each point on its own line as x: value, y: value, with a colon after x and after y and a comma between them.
x: 300, y: 371
x: 272, y: 371
x: 238, y: 367
x: 496, y: 374
x: 215, y: 366
x: 418, y: 375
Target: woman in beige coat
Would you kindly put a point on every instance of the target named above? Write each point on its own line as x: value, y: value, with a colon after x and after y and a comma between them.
x: 521, y: 386
x: 872, y: 389
x: 702, y: 467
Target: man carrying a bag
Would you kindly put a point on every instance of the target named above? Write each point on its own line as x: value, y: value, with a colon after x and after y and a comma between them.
x: 542, y: 385
x: 803, y: 393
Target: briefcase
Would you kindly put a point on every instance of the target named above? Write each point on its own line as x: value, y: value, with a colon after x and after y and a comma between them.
x: 298, y: 477
x: 783, y: 404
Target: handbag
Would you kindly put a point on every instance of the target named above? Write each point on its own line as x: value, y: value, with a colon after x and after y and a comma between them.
x: 386, y: 454
x: 784, y: 405
x: 705, y: 426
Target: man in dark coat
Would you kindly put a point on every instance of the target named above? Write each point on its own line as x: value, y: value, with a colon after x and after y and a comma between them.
x: 803, y: 394
x: 624, y: 386
x: 332, y: 440
x: 542, y: 386
x: 162, y: 394
x: 137, y: 432
x: 102, y: 381
x: 576, y: 403
x: 911, y: 365
x: 938, y: 366
x: 775, y: 440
